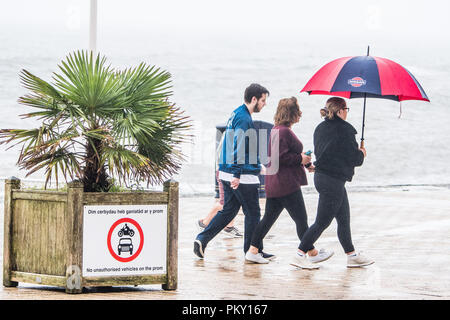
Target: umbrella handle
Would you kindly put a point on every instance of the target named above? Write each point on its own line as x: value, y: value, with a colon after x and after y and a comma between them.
x: 362, y: 144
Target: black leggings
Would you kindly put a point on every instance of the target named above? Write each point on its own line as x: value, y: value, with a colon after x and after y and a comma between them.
x: 294, y: 205
x: 333, y: 203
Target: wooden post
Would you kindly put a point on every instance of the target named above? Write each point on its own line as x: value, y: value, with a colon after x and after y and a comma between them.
x: 74, y: 230
x: 10, y: 184
x: 171, y: 187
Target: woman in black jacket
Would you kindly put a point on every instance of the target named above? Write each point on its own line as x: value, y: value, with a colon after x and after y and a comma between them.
x: 337, y: 154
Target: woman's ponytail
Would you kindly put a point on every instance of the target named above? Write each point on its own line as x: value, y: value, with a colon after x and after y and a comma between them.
x: 332, y: 107
x: 324, y: 112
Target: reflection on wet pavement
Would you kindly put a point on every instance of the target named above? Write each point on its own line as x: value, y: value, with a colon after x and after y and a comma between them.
x: 389, y: 226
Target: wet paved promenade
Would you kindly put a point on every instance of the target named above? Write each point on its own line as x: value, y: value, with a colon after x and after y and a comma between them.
x: 405, y: 230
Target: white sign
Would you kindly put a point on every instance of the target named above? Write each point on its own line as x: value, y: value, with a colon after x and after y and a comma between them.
x: 123, y: 240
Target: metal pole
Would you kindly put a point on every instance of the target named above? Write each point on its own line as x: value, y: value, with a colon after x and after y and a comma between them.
x: 364, y: 111
x: 364, y: 120
x: 93, y: 27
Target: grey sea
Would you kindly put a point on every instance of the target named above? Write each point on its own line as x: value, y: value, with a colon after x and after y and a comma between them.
x: 406, y: 145
x: 214, y: 50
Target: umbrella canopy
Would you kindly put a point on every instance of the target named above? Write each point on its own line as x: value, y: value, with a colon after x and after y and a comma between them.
x: 363, y: 77
x: 360, y: 76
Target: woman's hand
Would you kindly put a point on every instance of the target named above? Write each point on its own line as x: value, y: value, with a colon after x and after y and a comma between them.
x: 363, y: 151
x: 305, y: 159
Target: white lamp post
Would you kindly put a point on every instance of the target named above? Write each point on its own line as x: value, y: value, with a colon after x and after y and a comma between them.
x: 93, y: 27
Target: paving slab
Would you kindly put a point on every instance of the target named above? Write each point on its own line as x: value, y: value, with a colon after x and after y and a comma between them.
x: 405, y: 230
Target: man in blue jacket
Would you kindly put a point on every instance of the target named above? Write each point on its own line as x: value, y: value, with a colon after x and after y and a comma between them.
x: 239, y: 167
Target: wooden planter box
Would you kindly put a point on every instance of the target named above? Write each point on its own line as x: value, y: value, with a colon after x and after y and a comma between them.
x: 43, y: 236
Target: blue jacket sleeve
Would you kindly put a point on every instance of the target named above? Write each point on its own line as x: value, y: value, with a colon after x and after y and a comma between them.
x: 240, y: 127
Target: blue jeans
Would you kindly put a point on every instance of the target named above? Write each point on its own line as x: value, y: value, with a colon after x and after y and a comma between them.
x: 247, y: 196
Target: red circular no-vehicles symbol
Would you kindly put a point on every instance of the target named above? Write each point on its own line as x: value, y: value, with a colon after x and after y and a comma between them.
x: 141, y: 240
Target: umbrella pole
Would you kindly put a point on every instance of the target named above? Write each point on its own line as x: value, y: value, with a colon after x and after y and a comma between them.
x: 364, y: 112
x: 363, y: 124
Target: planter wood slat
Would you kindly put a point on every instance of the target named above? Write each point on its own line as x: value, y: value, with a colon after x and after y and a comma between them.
x: 74, y: 229
x: 61, y: 243
x: 124, y: 280
x: 126, y: 198
x: 38, y: 278
x: 34, y: 243
x: 43, y: 235
x: 40, y: 195
x: 171, y: 187
x: 45, y: 244
x: 8, y: 251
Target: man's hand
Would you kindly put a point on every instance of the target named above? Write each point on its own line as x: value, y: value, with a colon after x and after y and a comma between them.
x: 235, y: 183
x: 263, y: 170
x: 311, y: 168
x: 305, y: 159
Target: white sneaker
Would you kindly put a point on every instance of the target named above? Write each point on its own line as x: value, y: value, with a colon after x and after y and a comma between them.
x: 255, y: 258
x: 323, y: 255
x: 301, y: 261
x: 358, y: 260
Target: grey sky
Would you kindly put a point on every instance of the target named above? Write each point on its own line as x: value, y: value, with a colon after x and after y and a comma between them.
x: 402, y: 19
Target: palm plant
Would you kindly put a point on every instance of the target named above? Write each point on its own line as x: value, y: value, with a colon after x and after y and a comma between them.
x: 98, y: 123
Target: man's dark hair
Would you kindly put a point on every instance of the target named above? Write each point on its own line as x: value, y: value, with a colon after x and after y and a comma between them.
x: 254, y: 90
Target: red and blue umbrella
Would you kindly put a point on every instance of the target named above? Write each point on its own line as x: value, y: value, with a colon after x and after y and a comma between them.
x: 365, y: 77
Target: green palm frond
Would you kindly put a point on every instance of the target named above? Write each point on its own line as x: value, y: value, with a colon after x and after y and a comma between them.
x: 60, y: 161
x: 88, y: 83
x: 97, y: 120
x: 123, y: 162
